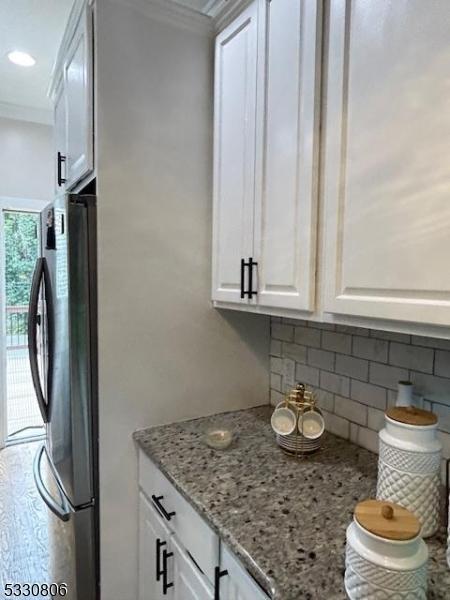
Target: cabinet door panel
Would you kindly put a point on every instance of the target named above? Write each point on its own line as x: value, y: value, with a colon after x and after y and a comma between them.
x: 78, y: 84
x: 237, y: 584
x: 386, y: 164
x: 60, y: 134
x: 188, y: 583
x: 151, y: 529
x: 286, y: 202
x: 234, y: 152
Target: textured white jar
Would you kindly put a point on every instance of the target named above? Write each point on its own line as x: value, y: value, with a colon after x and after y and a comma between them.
x: 409, y: 470
x: 378, y: 568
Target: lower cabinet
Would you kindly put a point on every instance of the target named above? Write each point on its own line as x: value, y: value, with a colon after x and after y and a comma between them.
x: 236, y: 583
x: 188, y: 581
x: 155, y: 564
x: 180, y: 556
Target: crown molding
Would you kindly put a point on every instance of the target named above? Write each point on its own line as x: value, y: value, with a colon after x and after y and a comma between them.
x: 223, y: 12
x: 30, y: 114
x: 173, y: 13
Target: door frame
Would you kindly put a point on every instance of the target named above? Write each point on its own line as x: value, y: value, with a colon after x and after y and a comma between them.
x: 8, y: 203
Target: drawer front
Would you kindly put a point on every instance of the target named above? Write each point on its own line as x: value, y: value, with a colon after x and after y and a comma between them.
x: 191, y: 530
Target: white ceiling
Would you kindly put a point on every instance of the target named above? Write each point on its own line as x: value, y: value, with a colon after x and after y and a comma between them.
x: 36, y: 27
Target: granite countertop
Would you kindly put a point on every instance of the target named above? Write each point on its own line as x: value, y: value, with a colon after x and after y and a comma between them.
x: 284, y: 518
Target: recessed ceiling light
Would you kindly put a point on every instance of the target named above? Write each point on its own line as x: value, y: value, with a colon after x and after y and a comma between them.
x: 21, y: 58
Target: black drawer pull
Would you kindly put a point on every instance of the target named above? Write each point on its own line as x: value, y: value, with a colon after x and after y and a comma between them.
x: 160, y: 507
x: 166, y: 585
x: 159, y: 571
x: 218, y: 574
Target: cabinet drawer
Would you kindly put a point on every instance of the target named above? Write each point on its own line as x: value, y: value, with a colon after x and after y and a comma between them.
x: 192, y: 531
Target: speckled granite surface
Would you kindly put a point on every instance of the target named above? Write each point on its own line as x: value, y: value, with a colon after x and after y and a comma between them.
x: 285, y: 519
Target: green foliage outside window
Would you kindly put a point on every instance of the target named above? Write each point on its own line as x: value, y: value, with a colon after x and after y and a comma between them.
x: 21, y: 252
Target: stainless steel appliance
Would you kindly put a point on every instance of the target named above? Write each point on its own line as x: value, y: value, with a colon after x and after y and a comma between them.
x: 62, y: 313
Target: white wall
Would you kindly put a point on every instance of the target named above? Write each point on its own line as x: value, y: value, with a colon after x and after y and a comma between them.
x: 26, y: 160
x: 165, y: 353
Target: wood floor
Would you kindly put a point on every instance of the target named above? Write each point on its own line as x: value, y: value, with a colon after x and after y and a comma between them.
x: 35, y: 546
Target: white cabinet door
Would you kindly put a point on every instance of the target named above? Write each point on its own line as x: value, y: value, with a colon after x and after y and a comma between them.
x: 387, y: 167
x: 286, y: 201
x: 154, y: 541
x: 237, y: 584
x: 79, y: 91
x: 188, y: 583
x: 234, y: 152
x: 60, y: 137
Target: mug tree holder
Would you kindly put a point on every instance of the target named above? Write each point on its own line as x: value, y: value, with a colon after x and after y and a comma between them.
x: 296, y: 444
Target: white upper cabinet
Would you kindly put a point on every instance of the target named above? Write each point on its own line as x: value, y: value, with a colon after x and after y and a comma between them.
x: 387, y: 169
x: 234, y: 152
x: 267, y: 78
x: 60, y: 136
x: 286, y: 199
x: 78, y: 85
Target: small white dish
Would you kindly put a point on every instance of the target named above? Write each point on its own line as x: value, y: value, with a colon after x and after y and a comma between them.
x: 218, y: 438
x: 284, y: 420
x: 311, y: 424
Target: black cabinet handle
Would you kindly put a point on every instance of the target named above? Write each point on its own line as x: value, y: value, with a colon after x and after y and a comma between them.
x: 166, y: 585
x: 251, y: 264
x: 243, y: 264
x: 61, y: 160
x: 159, y: 571
x: 218, y: 574
x: 157, y: 502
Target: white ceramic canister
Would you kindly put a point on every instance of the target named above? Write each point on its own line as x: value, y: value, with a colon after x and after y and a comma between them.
x: 385, y: 555
x: 409, y: 464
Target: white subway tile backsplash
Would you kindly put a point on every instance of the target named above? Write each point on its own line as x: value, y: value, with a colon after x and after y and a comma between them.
x: 368, y: 439
x: 431, y: 387
x: 337, y: 342
x: 288, y: 371
x: 369, y: 394
x: 335, y: 383
x: 386, y: 376
x: 375, y: 419
x: 275, y: 397
x: 275, y: 348
x: 370, y: 348
x: 356, y: 368
x: 321, y: 359
x: 355, y: 373
x: 325, y: 400
x: 294, y: 351
x: 276, y: 365
x: 283, y: 332
x: 307, y: 336
x: 337, y: 425
x: 350, y: 410
x: 443, y: 412
x: 411, y: 357
x: 418, y: 340
x: 275, y: 382
x: 307, y: 374
x: 391, y: 336
x: 442, y: 363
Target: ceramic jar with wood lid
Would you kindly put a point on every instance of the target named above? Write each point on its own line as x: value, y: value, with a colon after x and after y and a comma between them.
x: 409, y: 464
x: 385, y: 555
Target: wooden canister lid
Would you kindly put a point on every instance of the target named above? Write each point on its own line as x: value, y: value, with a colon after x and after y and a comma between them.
x: 411, y: 415
x: 387, y: 520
